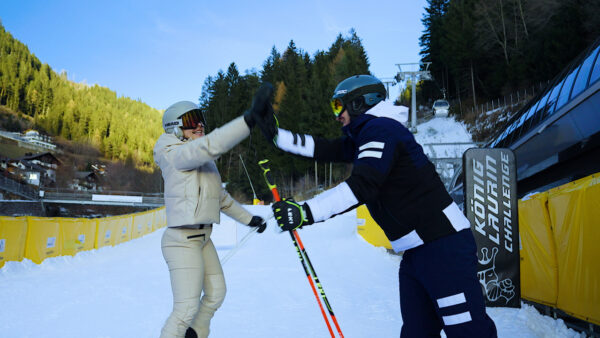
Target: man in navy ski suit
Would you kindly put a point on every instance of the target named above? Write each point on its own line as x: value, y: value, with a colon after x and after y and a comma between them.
x: 392, y: 176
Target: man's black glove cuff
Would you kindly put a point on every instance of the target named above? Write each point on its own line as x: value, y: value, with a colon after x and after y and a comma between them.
x: 307, y: 215
x: 260, y: 101
x: 248, y: 118
x: 269, y: 124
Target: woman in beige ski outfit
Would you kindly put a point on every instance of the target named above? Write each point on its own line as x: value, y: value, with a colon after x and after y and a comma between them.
x: 194, y: 197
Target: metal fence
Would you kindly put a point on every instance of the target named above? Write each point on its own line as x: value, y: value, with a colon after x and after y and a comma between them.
x: 447, y: 157
x: 85, y: 197
x: 17, y: 188
x: 70, y: 196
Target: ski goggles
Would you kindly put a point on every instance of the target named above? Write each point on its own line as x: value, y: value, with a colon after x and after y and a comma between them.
x: 337, y: 106
x: 192, y: 119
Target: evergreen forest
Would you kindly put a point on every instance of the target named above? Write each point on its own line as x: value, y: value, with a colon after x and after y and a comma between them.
x: 478, y: 49
x: 303, y: 87
x: 483, y: 49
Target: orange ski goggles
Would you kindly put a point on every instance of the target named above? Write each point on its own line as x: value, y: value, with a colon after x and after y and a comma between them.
x: 337, y: 106
x: 191, y: 119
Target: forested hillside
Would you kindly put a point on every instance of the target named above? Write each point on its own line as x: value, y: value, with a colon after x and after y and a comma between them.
x: 483, y: 49
x: 121, y: 128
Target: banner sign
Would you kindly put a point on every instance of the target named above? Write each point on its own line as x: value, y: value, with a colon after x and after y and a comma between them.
x: 117, y: 198
x: 490, y: 190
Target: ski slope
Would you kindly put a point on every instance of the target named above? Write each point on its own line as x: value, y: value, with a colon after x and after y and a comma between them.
x: 124, y: 291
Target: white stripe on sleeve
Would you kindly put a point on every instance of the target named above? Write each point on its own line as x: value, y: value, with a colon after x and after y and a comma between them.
x: 370, y: 153
x: 332, y: 202
x: 372, y: 144
x: 285, y: 142
x: 456, y: 217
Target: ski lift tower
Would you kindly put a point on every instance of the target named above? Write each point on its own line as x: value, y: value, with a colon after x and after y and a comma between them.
x: 387, y: 81
x: 416, y: 70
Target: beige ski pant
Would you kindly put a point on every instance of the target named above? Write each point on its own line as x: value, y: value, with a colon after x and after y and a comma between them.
x: 194, y: 267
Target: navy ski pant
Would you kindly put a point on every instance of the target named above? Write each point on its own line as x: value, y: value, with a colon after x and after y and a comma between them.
x: 439, y: 290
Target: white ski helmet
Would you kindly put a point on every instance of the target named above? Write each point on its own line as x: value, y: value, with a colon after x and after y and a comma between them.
x: 173, y: 118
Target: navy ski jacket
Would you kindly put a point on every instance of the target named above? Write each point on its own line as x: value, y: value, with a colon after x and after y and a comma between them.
x: 391, y: 175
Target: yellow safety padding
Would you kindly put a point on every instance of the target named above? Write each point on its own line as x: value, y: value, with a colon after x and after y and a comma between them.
x: 76, y: 234
x: 575, y: 213
x: 106, y: 233
x: 142, y: 224
x: 160, y: 218
x: 539, y: 273
x: 13, y: 233
x: 369, y: 230
x: 123, y: 226
x: 43, y: 238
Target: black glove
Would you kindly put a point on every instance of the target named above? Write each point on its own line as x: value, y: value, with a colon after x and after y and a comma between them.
x: 291, y: 215
x: 261, y: 112
x: 259, y: 222
x: 269, y: 125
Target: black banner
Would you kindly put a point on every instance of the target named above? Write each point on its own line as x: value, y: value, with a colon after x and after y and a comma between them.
x: 490, y: 188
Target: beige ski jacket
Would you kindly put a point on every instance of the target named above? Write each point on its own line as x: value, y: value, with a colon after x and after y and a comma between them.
x: 193, y: 189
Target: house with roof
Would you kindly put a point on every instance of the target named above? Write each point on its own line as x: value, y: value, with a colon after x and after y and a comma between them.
x: 46, y: 161
x: 30, y: 139
x: 35, y: 169
x: 85, y: 180
x: 35, y: 138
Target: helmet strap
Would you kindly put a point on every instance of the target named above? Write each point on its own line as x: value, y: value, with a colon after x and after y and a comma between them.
x: 178, y: 132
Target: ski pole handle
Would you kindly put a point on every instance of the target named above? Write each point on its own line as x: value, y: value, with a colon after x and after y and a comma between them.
x: 264, y: 165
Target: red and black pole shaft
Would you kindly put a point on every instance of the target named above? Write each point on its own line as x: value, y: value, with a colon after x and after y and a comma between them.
x: 302, y: 254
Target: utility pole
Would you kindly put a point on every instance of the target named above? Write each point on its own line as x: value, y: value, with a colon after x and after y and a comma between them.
x: 418, y: 70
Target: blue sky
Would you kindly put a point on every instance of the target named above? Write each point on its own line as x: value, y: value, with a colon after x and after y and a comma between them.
x: 161, y: 52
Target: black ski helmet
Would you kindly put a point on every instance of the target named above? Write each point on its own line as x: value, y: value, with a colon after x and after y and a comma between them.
x: 358, y: 94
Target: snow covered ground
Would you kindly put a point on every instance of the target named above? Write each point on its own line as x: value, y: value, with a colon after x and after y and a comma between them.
x: 124, y: 291
x: 435, y: 135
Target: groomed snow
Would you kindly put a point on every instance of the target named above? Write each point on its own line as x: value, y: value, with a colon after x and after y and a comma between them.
x: 124, y: 291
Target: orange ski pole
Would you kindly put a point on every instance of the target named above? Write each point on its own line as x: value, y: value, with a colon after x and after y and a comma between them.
x: 303, y: 254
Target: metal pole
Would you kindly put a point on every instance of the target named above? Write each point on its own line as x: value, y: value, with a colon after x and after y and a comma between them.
x: 249, y: 180
x: 324, y: 175
x: 316, y: 179
x: 413, y: 104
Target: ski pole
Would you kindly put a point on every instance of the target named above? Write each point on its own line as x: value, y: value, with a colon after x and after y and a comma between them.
x: 267, y: 174
x: 241, y: 243
x: 249, y: 180
x: 303, y: 254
